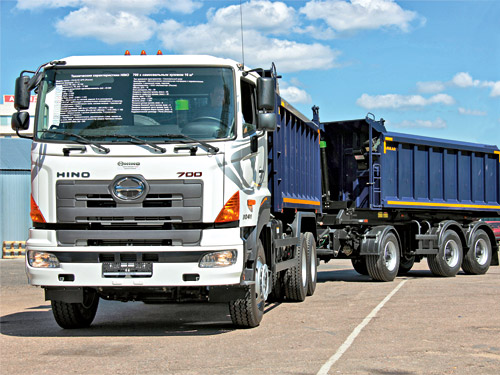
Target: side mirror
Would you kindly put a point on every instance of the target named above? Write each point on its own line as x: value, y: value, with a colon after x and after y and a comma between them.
x: 266, y: 95
x: 22, y: 93
x: 266, y: 121
x: 20, y: 121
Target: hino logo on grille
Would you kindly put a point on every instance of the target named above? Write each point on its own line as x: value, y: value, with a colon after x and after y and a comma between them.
x: 129, y: 188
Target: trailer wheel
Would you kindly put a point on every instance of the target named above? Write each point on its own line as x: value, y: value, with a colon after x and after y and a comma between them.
x: 448, y: 260
x: 248, y: 312
x: 359, y: 265
x: 385, y: 266
x: 406, y: 264
x: 312, y: 260
x: 478, y: 258
x: 295, y: 279
x: 76, y: 315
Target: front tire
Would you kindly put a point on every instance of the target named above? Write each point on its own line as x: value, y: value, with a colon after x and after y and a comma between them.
x: 385, y: 266
x: 247, y: 312
x: 478, y: 259
x: 448, y: 260
x: 76, y: 315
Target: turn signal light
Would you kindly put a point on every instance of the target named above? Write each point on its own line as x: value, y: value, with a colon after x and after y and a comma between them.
x: 36, y: 214
x: 231, y: 210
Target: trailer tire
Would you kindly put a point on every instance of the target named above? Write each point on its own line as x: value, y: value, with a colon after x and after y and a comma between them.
x: 385, y: 266
x: 359, y: 265
x: 247, y: 312
x: 448, y: 260
x: 405, y: 264
x: 76, y: 315
x: 478, y: 259
x: 312, y: 259
x: 295, y: 279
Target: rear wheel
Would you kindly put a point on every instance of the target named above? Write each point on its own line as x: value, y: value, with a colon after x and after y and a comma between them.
x: 359, y: 265
x: 405, y: 264
x: 312, y: 261
x: 448, y: 260
x: 295, y: 279
x: 385, y: 266
x: 76, y: 315
x: 478, y: 259
x: 248, y: 311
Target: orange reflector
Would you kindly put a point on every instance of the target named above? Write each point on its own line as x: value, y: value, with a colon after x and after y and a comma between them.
x: 143, y: 53
x: 159, y: 52
x: 127, y: 53
x: 36, y: 214
x: 231, y: 210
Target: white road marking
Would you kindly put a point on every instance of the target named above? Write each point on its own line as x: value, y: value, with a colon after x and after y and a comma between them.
x: 348, y: 342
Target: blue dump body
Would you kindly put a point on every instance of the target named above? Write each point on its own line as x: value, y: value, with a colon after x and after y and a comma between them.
x: 370, y: 168
x: 294, y: 161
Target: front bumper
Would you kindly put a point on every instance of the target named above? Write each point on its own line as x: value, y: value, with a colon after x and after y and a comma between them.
x: 176, y: 266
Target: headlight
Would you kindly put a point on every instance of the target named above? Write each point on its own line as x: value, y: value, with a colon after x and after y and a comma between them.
x: 218, y: 259
x: 40, y: 259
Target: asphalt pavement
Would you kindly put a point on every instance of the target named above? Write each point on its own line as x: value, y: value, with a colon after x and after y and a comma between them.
x: 418, y: 324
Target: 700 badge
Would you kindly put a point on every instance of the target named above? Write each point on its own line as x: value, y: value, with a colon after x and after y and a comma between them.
x: 189, y: 174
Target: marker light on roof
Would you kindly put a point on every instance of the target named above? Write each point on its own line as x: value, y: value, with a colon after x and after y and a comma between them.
x: 143, y: 53
x: 127, y: 53
x: 159, y: 52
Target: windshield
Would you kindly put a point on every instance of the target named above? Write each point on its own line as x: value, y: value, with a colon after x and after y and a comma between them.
x: 98, y: 103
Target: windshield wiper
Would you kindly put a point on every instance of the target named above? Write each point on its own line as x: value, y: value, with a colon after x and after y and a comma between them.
x: 140, y: 141
x: 204, y: 145
x: 79, y: 139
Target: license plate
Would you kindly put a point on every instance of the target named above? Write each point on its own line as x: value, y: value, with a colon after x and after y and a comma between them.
x: 127, y: 269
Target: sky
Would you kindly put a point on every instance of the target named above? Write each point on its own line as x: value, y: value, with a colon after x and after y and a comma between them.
x: 429, y: 68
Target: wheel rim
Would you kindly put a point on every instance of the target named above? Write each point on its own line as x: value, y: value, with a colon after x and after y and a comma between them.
x: 313, y: 264
x: 390, y: 255
x: 481, y: 252
x: 451, y: 253
x: 262, y: 281
x: 303, y: 261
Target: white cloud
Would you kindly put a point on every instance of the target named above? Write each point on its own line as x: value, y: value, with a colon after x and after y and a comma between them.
x: 34, y: 4
x: 262, y: 15
x: 115, y: 6
x: 220, y: 36
x: 294, y: 95
x: 471, y: 112
x: 463, y: 79
x: 395, y: 101
x: 359, y: 14
x: 430, y: 87
x: 106, y: 26
x: 495, y: 90
x: 438, y: 123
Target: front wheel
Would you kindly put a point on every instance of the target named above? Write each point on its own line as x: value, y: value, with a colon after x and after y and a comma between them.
x: 448, y: 260
x: 478, y: 259
x: 76, y: 315
x: 385, y: 266
x: 248, y: 311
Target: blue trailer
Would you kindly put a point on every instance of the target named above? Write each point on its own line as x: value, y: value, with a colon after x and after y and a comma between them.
x: 390, y: 199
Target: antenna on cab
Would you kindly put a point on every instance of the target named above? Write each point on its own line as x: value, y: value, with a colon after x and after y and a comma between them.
x: 242, y: 43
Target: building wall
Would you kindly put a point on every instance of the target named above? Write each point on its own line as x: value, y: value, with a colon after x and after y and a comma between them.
x: 6, y: 111
x: 15, y: 218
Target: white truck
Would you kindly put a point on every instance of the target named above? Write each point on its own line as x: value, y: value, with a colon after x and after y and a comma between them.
x: 150, y: 183
x: 188, y: 178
